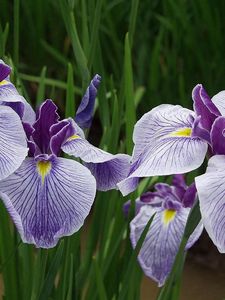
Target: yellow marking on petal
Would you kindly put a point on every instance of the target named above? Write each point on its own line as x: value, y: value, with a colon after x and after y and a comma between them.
x: 73, y: 137
x: 4, y: 82
x: 168, y: 216
x: 183, y: 132
x: 43, y: 168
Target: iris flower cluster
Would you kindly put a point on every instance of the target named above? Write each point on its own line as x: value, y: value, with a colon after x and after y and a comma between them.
x: 49, y: 196
x: 169, y: 140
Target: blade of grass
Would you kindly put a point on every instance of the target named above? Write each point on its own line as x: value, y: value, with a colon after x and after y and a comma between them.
x: 129, y: 96
x: 70, y: 100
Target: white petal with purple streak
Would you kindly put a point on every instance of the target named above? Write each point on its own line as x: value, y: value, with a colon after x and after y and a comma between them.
x: 163, y: 143
x: 162, y: 242
x: 211, y: 192
x: 107, y: 168
x: 48, y: 201
x: 219, y: 101
x: 13, y: 145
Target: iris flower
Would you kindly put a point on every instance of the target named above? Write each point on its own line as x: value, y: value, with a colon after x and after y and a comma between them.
x: 170, y: 206
x: 49, y: 196
x: 211, y: 185
x: 13, y: 145
x: 171, y: 139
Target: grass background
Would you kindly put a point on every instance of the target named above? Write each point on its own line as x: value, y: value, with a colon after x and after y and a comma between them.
x: 148, y: 53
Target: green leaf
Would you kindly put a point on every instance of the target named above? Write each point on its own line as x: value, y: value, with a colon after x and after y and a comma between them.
x: 70, y: 100
x: 48, y: 283
x: 130, y: 114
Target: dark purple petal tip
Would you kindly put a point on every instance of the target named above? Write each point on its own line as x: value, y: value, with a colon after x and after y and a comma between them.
x: 85, y: 110
x: 4, y: 70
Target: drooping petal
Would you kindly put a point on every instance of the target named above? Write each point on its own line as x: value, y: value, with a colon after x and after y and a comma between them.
x: 85, y: 110
x: 164, y: 145
x: 107, y: 168
x: 204, y: 106
x: 211, y: 193
x: 218, y: 136
x: 13, y: 145
x: 47, y: 116
x: 219, y: 101
x: 161, y: 244
x: 48, y: 199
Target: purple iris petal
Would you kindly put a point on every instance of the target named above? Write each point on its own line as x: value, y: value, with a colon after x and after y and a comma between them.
x: 47, y: 116
x: 12, y: 140
x: 4, y: 70
x: 164, y: 145
x: 211, y: 193
x: 218, y: 136
x: 107, y: 168
x: 189, y: 196
x: 204, y: 107
x: 48, y: 198
x: 199, y: 132
x: 84, y: 112
x: 60, y: 133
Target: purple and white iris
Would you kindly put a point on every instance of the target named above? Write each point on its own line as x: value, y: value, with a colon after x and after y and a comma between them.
x: 211, y: 185
x: 48, y: 196
x: 170, y: 206
x: 171, y: 139
x: 13, y: 145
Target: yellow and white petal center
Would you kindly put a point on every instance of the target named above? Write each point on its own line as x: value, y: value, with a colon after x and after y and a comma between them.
x: 73, y: 137
x: 43, y: 168
x: 4, y: 82
x: 183, y: 132
x: 168, y: 216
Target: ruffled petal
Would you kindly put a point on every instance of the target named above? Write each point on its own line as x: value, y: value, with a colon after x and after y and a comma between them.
x: 47, y: 116
x: 204, y: 106
x: 219, y: 101
x: 164, y: 144
x: 13, y: 145
x: 211, y: 193
x: 162, y: 242
x: 107, y: 168
x: 48, y: 199
x: 85, y: 110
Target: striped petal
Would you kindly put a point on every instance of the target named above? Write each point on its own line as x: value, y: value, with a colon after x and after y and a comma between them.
x: 219, y: 101
x: 13, y: 145
x: 107, y: 168
x: 164, y: 144
x: 48, y: 198
x: 211, y: 193
x: 161, y: 244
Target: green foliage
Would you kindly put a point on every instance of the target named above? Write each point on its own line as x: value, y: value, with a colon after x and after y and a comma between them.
x: 148, y: 53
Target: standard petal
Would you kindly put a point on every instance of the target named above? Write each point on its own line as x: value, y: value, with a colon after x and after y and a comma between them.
x: 217, y: 136
x: 85, y: 110
x: 204, y: 106
x: 47, y: 116
x: 48, y: 199
x: 219, y: 101
x: 13, y: 145
x: 211, y: 193
x: 162, y: 242
x: 164, y: 144
x: 107, y: 168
